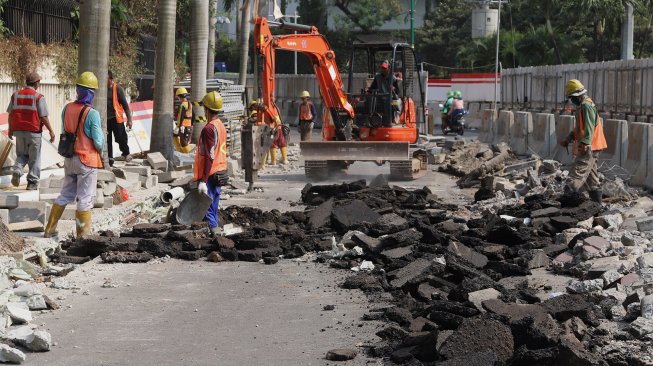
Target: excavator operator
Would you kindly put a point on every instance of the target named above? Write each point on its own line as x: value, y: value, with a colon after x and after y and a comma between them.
x: 386, y: 86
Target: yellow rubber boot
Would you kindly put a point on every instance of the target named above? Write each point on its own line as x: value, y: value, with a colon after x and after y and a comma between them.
x: 284, y: 155
x: 273, y: 156
x: 175, y: 141
x: 55, y: 215
x: 264, y: 162
x: 83, y: 223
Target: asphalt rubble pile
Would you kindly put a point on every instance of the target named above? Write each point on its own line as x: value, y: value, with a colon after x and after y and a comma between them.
x: 448, y: 271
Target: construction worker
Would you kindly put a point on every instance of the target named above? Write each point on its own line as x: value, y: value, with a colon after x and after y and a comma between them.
x: 306, y: 116
x: 117, y: 106
x: 587, y: 138
x: 280, y: 141
x: 28, y: 113
x: 183, y: 126
x: 386, y: 86
x: 80, y: 171
x: 210, y: 168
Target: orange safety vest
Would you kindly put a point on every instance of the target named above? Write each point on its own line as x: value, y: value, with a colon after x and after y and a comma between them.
x: 219, y: 153
x: 598, y: 138
x: 186, y: 120
x: 24, y: 111
x: 305, y: 112
x: 117, y: 106
x: 84, y: 146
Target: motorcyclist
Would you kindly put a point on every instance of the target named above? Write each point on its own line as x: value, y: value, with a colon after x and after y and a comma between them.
x: 457, y: 106
x: 446, y: 107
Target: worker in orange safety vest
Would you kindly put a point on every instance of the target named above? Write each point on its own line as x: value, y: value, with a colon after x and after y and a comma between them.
x: 118, y: 113
x: 588, y: 140
x: 183, y: 128
x: 306, y: 116
x: 210, y: 168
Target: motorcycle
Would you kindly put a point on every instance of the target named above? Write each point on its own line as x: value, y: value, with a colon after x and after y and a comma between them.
x: 452, y: 123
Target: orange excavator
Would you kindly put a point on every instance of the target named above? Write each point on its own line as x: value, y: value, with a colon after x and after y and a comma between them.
x: 378, y: 123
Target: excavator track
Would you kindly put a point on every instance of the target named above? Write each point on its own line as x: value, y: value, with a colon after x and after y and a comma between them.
x: 316, y: 170
x: 404, y: 170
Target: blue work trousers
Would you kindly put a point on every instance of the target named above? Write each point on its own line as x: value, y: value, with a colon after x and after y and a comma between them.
x: 214, y: 191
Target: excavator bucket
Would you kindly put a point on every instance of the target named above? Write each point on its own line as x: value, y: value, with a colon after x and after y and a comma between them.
x: 319, y: 156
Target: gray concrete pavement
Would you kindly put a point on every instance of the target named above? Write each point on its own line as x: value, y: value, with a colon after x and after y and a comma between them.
x: 200, y: 313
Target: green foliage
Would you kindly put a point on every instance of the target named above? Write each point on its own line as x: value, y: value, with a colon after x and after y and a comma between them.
x: 65, y: 57
x: 19, y: 57
x: 367, y: 14
x: 313, y: 12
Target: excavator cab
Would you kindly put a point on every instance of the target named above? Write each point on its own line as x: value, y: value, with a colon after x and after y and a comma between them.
x: 385, y: 99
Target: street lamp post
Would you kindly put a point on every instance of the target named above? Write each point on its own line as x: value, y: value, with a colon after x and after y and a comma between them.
x: 412, y: 23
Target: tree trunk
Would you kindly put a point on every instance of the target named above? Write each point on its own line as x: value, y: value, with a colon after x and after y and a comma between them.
x: 199, y: 41
x: 94, y: 39
x: 164, y: 79
x: 211, y: 48
x: 243, y: 37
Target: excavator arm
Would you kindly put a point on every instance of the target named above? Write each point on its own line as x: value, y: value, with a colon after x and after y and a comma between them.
x: 312, y: 44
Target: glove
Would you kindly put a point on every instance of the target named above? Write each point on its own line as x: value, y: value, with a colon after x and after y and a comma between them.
x: 202, y: 188
x: 175, y: 130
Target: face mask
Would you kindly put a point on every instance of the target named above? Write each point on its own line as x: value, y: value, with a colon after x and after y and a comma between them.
x: 85, y: 96
x: 576, y: 100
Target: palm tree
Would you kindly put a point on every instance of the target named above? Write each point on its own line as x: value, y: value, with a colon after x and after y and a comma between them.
x: 199, y: 41
x: 213, y: 19
x: 94, y: 31
x: 164, y: 78
x: 242, y: 29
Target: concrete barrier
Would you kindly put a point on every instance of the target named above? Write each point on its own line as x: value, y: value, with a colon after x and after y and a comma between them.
x: 640, y: 147
x: 542, y: 135
x: 487, y: 126
x: 616, y: 136
x: 564, y: 125
x: 504, y: 126
x: 520, y: 131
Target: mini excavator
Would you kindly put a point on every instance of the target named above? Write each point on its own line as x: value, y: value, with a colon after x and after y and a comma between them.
x: 364, y: 125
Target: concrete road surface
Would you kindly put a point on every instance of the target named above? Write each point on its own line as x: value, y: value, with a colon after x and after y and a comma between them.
x: 200, y: 313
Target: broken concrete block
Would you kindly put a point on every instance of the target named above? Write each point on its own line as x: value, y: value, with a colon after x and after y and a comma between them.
x: 19, y: 312
x: 105, y: 175
x: 597, y: 242
x: 641, y: 327
x: 36, y: 302
x: 149, y: 181
x: 56, y: 181
x: 8, y: 201
x: 108, y: 202
x: 610, y: 222
x: 33, y: 340
x: 11, y: 355
x: 477, y: 259
x: 32, y: 225
x: 566, y: 236
x: 99, y: 200
x: 321, y: 215
x: 157, y: 161
x: 27, y: 289
x: 129, y: 186
x: 108, y: 188
x: 353, y: 214
x: 341, y: 354
x: 545, y: 212
x: 369, y: 243
x: 645, y: 224
x: 473, y: 336
x: 565, y: 257
x: 4, y: 215
x: 168, y: 177
x: 582, y: 287
x: 645, y: 260
x: 389, y: 223
x: 610, y: 277
x: 140, y: 170
x: 183, y: 181
x: 412, y: 271
x: 397, y: 253
x: 132, y: 177
x: 586, y: 224
x: 30, y: 210
x: 477, y: 297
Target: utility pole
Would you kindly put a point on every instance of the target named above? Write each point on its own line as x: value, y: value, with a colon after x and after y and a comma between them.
x: 627, y: 34
x: 496, y: 64
x: 412, y: 23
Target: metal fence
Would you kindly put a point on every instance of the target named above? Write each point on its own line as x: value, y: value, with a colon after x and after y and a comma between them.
x: 41, y: 21
x: 615, y: 86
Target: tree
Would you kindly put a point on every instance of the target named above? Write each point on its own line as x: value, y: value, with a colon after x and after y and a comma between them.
x: 213, y: 19
x: 199, y: 41
x: 313, y: 12
x: 163, y: 78
x: 244, y: 41
x: 360, y: 12
x: 95, y: 20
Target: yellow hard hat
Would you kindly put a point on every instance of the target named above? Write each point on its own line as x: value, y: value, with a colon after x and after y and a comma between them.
x: 574, y: 88
x: 213, y: 101
x: 305, y: 94
x: 181, y: 91
x: 88, y: 80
